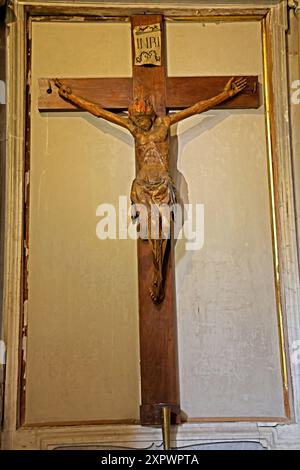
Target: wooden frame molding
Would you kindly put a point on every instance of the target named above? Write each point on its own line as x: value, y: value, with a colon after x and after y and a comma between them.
x: 269, y: 434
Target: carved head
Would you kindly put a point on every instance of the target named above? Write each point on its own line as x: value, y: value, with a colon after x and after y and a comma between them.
x: 141, y: 113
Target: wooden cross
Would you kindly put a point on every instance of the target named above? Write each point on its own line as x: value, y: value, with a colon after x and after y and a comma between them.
x: 157, y: 322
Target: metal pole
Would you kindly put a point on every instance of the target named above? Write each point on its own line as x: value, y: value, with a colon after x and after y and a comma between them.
x: 166, y: 427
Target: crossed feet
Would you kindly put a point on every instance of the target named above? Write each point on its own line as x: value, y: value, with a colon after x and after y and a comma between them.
x: 157, y: 289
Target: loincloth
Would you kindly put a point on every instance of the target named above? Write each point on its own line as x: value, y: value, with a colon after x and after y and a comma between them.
x: 160, y: 192
x: 159, y: 196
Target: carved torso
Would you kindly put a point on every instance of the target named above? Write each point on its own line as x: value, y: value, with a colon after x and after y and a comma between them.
x: 153, y: 185
x: 152, y: 149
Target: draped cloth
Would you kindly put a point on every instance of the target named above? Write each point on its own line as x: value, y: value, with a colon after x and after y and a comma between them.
x: 153, y: 203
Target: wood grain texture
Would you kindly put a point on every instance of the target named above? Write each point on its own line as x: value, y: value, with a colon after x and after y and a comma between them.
x: 182, y: 92
x: 157, y: 325
x: 113, y: 93
x: 158, y: 341
x: 151, y: 79
x: 116, y: 93
x: 173, y: 13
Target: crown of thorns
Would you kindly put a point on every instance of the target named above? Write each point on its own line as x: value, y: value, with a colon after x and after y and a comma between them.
x: 142, y: 106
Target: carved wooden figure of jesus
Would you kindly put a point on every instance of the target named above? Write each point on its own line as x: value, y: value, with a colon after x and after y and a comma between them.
x: 153, y: 187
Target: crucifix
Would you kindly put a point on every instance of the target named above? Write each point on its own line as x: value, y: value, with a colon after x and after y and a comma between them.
x: 147, y: 96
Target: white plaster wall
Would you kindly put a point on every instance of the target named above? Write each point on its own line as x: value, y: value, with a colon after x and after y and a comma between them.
x: 82, y: 348
x: 228, y: 339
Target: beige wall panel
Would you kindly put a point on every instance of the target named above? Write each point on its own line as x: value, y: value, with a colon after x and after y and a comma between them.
x: 228, y: 339
x: 82, y: 349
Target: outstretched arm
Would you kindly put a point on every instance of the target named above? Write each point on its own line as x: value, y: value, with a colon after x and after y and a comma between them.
x: 93, y: 108
x: 233, y: 87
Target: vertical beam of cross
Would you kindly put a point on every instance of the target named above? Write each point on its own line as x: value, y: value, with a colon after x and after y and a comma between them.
x: 157, y: 322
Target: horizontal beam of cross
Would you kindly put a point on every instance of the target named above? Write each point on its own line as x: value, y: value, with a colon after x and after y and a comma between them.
x: 116, y: 93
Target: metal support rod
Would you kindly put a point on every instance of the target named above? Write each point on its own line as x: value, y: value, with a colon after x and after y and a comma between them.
x: 166, y: 426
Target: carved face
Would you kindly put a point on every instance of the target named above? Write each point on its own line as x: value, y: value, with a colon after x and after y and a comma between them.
x: 142, y: 121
